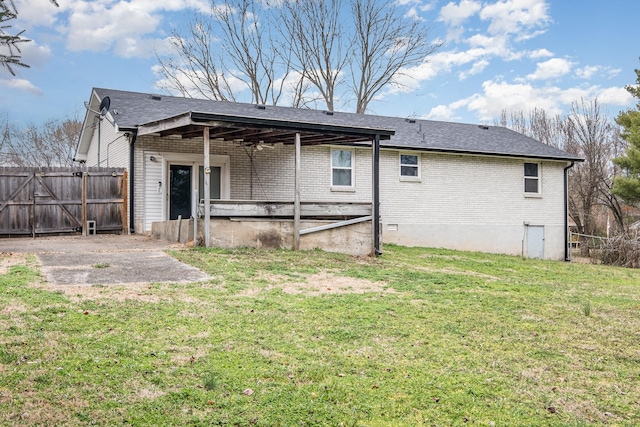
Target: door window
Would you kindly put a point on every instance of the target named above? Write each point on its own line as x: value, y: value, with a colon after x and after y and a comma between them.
x: 180, y: 191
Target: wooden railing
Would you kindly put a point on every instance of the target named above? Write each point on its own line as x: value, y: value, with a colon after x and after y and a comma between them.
x: 285, y: 209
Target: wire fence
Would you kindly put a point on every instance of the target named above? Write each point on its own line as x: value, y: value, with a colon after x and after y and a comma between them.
x: 594, y: 244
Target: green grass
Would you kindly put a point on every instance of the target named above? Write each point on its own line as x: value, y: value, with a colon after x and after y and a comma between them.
x: 418, y: 337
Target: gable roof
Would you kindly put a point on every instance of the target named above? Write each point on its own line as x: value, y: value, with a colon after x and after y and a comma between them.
x: 131, y: 110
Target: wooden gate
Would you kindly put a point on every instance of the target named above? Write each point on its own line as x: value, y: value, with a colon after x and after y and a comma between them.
x: 62, y: 200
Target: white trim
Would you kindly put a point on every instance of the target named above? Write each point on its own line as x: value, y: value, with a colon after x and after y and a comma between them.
x: 538, y: 178
x: 418, y: 166
x: 195, y: 160
x: 347, y: 188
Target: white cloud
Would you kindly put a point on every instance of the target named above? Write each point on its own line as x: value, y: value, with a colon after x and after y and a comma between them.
x: 555, y: 67
x: 615, y: 96
x: 495, y: 45
x: 514, y: 16
x: 540, y: 53
x: 35, y: 55
x: 441, y: 112
x: 513, y: 97
x: 587, y: 72
x: 131, y: 47
x: 94, y: 27
x: 21, y: 85
x: 447, y: 112
x: 499, y: 95
x: 455, y: 14
x: 34, y: 13
x: 130, y: 28
x: 438, y: 63
x: 613, y: 72
x: 477, y: 68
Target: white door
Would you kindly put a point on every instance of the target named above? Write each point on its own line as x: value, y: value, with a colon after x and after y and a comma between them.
x: 535, y: 241
x: 153, y: 189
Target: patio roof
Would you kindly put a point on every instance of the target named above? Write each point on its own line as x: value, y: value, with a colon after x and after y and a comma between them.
x: 256, y: 130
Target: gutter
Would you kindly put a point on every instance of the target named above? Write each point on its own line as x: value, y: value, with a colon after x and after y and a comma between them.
x: 134, y: 135
x: 566, y: 210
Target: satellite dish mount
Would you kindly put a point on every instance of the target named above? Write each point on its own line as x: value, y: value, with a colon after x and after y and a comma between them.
x: 104, y: 106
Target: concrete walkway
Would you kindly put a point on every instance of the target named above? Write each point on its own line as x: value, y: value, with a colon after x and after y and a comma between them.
x: 104, y: 259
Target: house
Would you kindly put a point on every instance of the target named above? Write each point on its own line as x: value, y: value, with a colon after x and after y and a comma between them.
x: 305, y: 178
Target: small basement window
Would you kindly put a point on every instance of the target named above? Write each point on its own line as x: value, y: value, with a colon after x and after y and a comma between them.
x: 532, y: 178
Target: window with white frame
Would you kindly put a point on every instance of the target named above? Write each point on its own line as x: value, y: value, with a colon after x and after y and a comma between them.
x: 532, y: 178
x: 409, y: 165
x: 341, y: 168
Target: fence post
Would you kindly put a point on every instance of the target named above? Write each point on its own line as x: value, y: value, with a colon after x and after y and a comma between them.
x: 84, y: 204
x: 125, y: 194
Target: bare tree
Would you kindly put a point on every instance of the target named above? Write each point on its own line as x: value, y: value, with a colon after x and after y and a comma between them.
x: 592, y: 135
x: 316, y: 36
x: 225, y: 53
x: 52, y: 144
x: 586, y: 132
x: 537, y: 124
x: 295, y: 52
x: 384, y: 43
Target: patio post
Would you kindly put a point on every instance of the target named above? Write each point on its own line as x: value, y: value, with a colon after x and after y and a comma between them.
x: 296, y: 199
x: 207, y: 193
x: 376, y: 195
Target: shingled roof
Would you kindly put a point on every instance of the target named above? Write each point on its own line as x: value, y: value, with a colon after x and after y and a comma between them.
x: 133, y: 109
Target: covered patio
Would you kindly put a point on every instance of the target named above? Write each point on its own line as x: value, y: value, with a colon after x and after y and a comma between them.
x: 282, y: 221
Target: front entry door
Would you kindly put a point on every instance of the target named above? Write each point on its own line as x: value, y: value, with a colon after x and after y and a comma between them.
x: 179, y: 191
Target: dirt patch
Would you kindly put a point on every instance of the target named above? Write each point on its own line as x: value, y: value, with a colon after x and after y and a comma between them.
x: 143, y: 292
x: 7, y: 259
x: 319, y: 284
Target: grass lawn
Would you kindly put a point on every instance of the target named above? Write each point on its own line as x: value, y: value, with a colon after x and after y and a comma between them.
x: 418, y: 337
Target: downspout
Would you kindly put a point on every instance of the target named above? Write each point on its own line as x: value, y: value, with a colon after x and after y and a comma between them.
x: 566, y: 210
x: 132, y: 169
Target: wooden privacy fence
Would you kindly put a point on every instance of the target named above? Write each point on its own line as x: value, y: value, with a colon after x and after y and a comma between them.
x: 62, y: 200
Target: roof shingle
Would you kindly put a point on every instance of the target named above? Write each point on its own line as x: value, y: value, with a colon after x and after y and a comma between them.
x: 131, y: 109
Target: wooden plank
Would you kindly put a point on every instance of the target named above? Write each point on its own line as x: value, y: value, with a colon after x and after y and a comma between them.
x: 168, y: 124
x: 336, y: 225
x: 52, y: 202
x: 84, y: 204
x: 286, y: 209
x: 15, y: 193
x: 124, y: 190
x: 207, y: 188
x: 335, y: 209
x: 64, y: 209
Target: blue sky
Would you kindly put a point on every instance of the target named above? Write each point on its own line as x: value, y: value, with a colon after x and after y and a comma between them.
x: 513, y: 54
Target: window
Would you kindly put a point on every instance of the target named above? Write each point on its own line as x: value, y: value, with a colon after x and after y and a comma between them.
x: 532, y: 178
x: 409, y: 165
x: 214, y: 183
x: 342, y: 168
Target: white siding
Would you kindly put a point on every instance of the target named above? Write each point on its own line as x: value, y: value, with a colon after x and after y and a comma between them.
x: 153, y: 193
x: 108, y: 138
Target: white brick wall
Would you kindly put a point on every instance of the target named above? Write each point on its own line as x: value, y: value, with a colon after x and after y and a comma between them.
x: 471, y: 203
x: 461, y: 201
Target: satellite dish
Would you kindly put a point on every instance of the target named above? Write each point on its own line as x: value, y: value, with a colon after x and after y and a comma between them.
x: 104, y: 106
